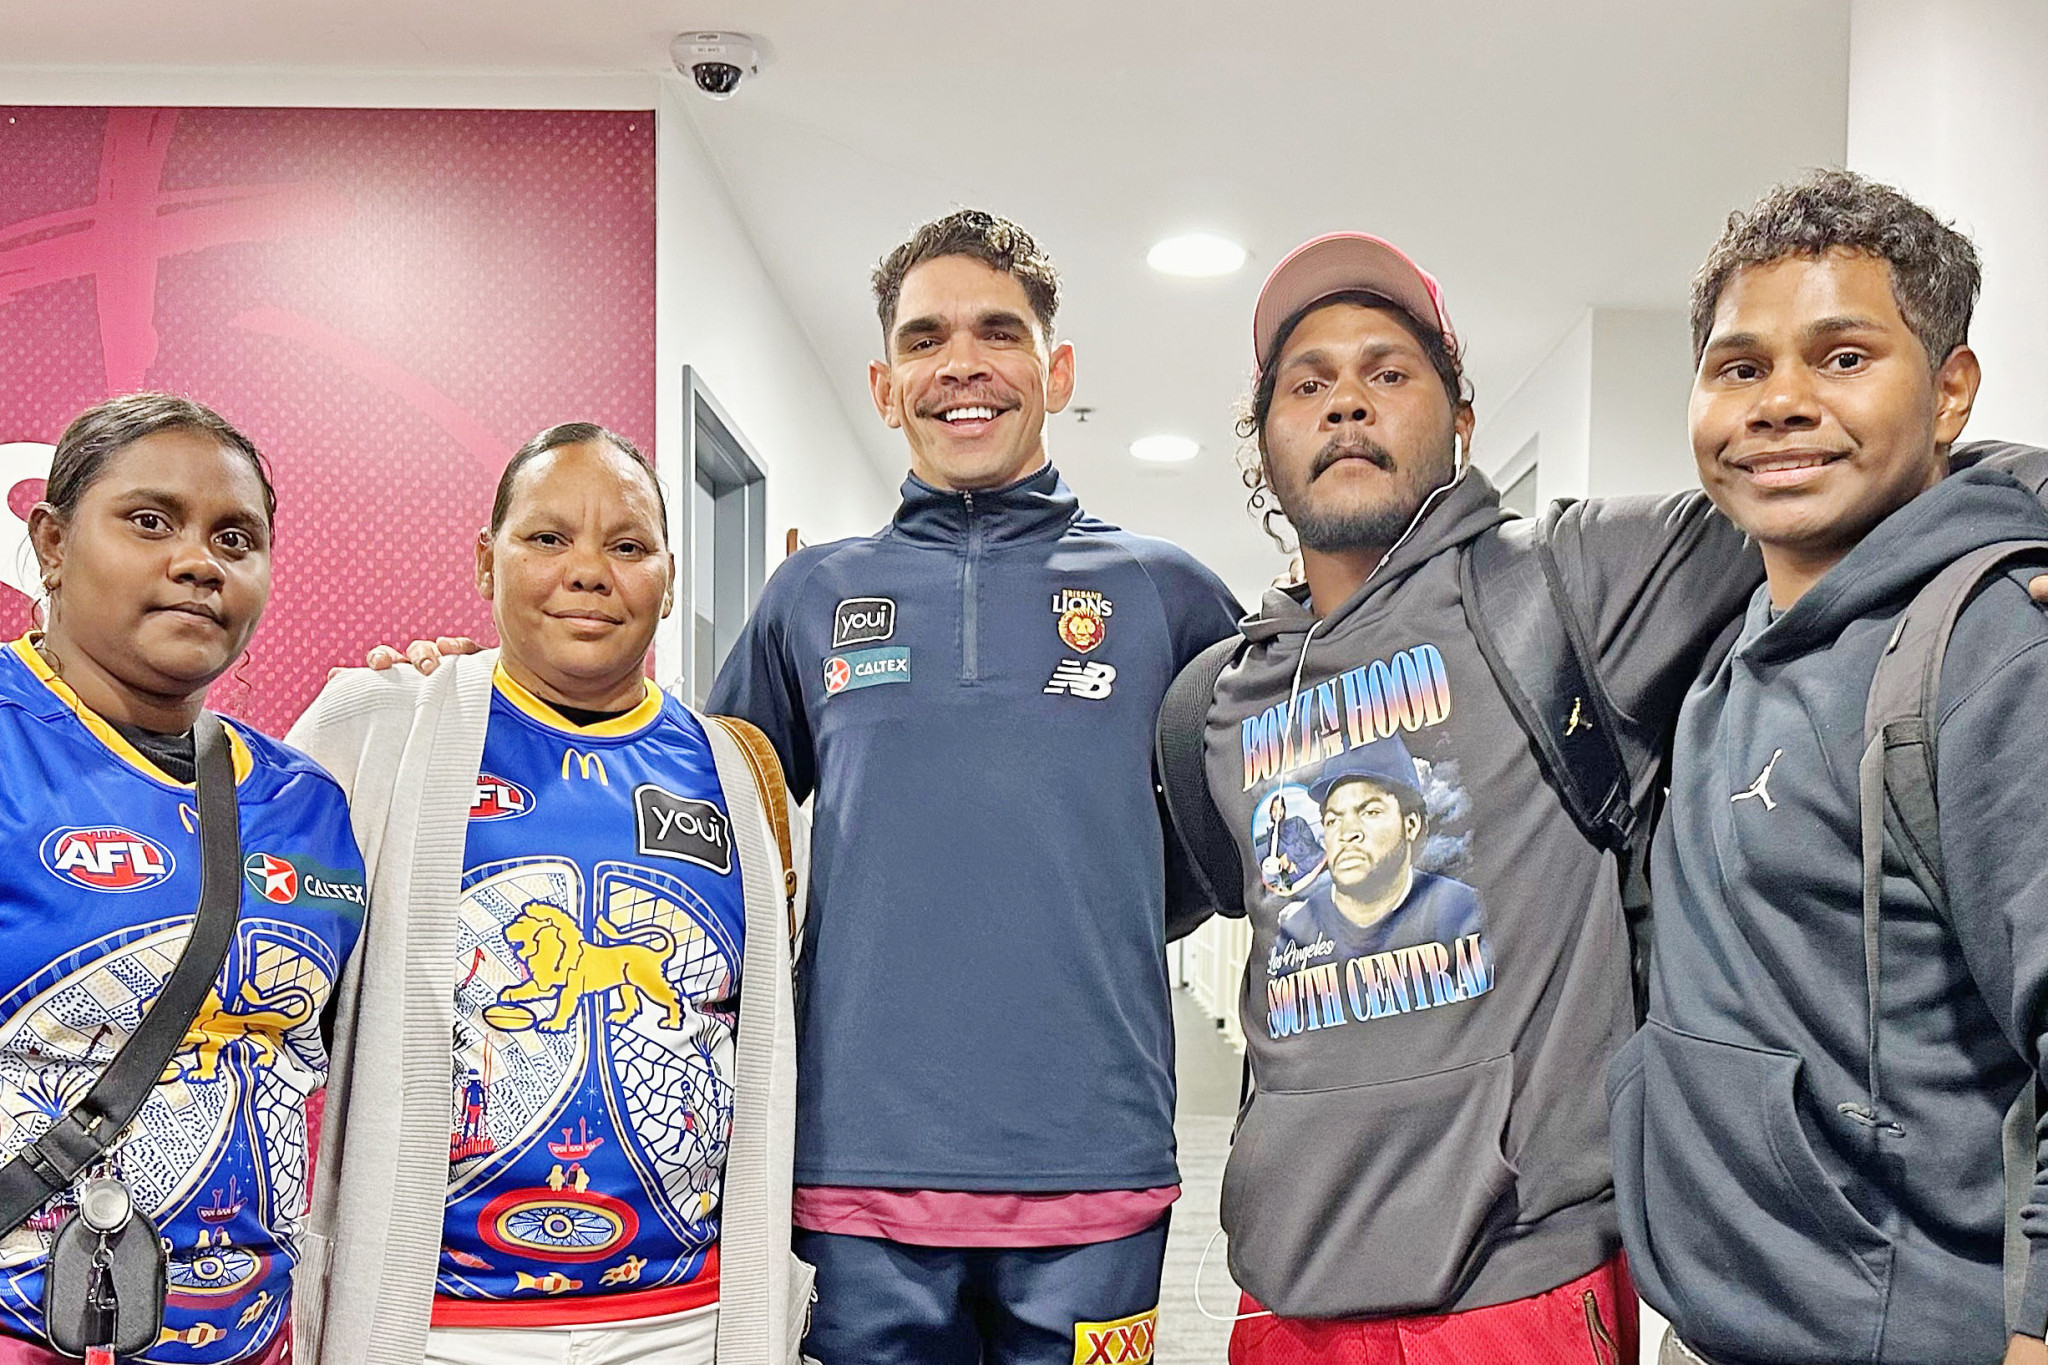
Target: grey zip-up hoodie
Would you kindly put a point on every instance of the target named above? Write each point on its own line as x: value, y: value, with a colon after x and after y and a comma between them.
x: 1765, y: 1220
x: 1427, y: 1131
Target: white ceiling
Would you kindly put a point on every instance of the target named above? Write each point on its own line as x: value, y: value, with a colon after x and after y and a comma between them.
x: 1538, y: 158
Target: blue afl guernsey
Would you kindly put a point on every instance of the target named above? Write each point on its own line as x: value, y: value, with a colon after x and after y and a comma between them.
x: 596, y: 981
x: 97, y: 898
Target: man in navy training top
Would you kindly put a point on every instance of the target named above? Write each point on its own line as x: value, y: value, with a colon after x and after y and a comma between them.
x: 984, y: 1130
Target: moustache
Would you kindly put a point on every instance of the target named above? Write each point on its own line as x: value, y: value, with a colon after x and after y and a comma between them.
x: 932, y: 407
x: 1340, y: 448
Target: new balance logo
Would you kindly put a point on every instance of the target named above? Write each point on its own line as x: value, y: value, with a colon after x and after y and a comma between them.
x: 1077, y: 679
x: 1760, y: 790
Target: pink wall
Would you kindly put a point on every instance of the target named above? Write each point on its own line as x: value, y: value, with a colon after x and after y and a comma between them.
x: 387, y: 301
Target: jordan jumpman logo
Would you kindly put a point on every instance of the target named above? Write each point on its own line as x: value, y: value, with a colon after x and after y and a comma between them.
x: 1761, y: 789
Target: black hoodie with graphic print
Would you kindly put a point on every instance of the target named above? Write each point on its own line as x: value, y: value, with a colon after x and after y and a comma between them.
x: 1427, y: 1131
x: 1762, y: 1216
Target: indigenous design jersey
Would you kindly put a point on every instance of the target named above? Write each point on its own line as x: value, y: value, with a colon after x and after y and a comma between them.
x: 95, y: 906
x: 597, y: 974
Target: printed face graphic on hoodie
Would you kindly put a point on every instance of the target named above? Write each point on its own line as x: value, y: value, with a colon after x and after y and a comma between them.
x: 1369, y: 838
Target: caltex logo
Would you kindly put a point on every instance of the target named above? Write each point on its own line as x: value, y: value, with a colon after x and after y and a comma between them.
x: 107, y: 858
x: 274, y: 879
x: 837, y: 674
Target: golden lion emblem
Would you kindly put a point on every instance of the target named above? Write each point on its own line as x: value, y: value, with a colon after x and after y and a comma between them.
x: 216, y: 1026
x: 561, y: 962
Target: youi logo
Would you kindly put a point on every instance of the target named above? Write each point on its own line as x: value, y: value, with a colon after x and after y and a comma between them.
x: 106, y: 858
x: 863, y: 621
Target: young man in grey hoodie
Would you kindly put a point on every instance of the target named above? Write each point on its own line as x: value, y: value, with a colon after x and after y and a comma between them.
x: 1422, y: 1171
x: 1788, y: 1190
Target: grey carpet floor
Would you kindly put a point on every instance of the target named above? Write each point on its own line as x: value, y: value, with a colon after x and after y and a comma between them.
x: 1208, y: 1073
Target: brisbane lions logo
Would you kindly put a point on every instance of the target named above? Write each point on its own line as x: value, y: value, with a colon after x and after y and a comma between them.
x: 1083, y: 617
x: 561, y: 962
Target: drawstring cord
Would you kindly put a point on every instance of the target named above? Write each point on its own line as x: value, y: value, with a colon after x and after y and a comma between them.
x: 1203, y: 1308
x: 1301, y: 664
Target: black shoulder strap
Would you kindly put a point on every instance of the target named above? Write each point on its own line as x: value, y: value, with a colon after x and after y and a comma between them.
x: 1522, y: 618
x: 1896, y: 791
x: 48, y: 1166
x: 1201, y: 850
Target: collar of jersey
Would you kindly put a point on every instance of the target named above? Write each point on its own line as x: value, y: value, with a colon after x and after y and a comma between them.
x: 534, y: 708
x: 25, y: 650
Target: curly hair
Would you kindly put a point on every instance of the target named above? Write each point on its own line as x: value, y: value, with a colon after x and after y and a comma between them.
x: 1935, y: 271
x: 996, y: 242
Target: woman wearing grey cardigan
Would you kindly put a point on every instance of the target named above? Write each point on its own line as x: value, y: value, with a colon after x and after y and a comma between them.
x: 562, y: 1104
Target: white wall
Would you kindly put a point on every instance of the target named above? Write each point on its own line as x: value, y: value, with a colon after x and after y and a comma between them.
x: 716, y: 309
x: 1605, y: 410
x: 1553, y: 407
x: 1642, y: 380
x: 1948, y: 99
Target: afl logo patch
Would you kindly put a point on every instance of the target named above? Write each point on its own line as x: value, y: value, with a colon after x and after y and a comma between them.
x: 274, y: 879
x: 863, y: 621
x: 498, y: 798
x: 106, y: 858
x: 1083, y: 617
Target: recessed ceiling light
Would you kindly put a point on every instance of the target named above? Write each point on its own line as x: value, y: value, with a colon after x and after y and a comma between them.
x: 1164, y: 449
x: 1195, y: 253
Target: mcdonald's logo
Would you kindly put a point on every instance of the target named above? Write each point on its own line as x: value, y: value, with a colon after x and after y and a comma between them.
x: 584, y: 764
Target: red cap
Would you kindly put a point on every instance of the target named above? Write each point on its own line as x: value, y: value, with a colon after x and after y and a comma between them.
x: 1338, y: 261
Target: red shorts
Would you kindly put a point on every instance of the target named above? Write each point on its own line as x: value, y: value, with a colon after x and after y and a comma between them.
x: 1591, y: 1321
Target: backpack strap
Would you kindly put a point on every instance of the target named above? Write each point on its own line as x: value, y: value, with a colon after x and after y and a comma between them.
x: 774, y: 793
x: 1201, y: 849
x: 1532, y: 639
x: 1536, y: 647
x: 1896, y: 794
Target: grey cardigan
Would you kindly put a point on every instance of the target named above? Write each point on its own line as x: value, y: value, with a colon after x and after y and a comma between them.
x: 406, y: 749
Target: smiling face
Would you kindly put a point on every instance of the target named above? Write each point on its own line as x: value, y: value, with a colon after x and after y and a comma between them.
x: 1360, y: 431
x: 1815, y: 413
x: 160, y: 574
x: 578, y: 575
x: 1367, y: 836
x: 969, y: 378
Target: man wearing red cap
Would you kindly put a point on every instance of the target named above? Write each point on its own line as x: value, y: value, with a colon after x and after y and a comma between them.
x: 1422, y: 1172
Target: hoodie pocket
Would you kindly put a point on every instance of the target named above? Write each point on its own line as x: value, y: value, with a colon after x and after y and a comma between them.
x: 1736, y: 1229
x: 1368, y: 1199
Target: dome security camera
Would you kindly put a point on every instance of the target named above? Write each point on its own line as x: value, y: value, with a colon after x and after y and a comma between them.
x: 717, y: 62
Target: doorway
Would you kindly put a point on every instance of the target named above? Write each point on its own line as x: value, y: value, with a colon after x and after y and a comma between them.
x: 725, y: 533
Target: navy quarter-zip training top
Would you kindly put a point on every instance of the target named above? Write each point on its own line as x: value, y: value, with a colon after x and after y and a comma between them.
x: 982, y: 1000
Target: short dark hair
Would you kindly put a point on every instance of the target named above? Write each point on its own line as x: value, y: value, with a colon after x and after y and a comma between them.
x: 1444, y: 354
x: 103, y: 430
x: 996, y: 242
x: 570, y: 434
x: 1935, y: 271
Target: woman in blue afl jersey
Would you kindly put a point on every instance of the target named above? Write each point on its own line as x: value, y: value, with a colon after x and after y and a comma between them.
x: 153, y: 538
x: 572, y: 1057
